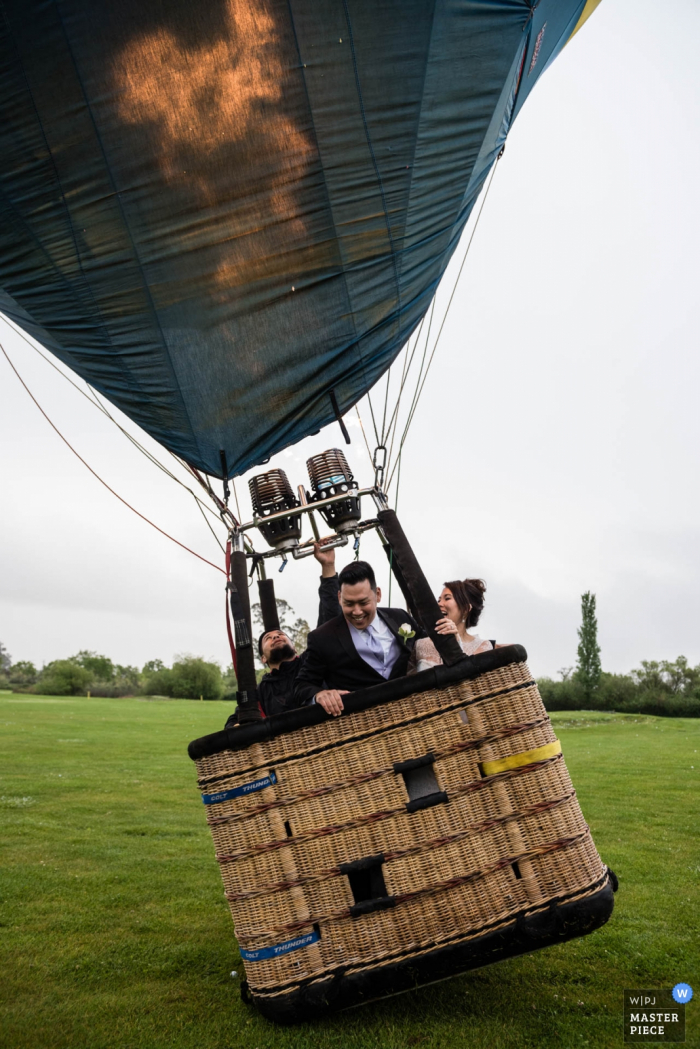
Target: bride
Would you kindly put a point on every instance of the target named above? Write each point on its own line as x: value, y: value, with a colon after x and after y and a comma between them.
x: 461, y: 603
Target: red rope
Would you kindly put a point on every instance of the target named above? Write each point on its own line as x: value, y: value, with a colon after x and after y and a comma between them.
x: 138, y: 514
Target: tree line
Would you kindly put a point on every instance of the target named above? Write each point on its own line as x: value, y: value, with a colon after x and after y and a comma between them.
x: 664, y: 687
x: 189, y: 677
x: 88, y: 673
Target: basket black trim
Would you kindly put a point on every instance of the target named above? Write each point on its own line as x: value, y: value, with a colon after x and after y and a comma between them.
x: 242, y: 736
x: 427, y: 801
x: 554, y: 922
x: 380, y: 903
x: 413, y: 763
x: 361, y: 865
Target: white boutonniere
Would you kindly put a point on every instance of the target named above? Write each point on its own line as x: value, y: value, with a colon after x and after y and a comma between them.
x: 405, y: 632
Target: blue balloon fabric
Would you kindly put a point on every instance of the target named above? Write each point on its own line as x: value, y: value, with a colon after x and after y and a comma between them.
x: 219, y: 212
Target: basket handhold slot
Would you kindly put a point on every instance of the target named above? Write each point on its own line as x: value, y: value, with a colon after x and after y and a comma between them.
x: 367, y: 885
x: 421, y: 783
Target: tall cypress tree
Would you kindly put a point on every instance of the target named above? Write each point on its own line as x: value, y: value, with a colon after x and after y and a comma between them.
x: 588, y: 669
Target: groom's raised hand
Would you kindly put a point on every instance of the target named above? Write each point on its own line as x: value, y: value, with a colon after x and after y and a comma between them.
x: 330, y: 700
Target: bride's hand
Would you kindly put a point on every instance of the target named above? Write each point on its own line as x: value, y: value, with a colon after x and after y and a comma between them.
x: 446, y: 626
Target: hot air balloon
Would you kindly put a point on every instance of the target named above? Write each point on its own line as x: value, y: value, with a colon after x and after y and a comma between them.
x: 229, y: 218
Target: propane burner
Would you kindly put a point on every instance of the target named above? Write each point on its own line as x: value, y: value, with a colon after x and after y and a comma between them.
x: 330, y: 475
x: 271, y: 493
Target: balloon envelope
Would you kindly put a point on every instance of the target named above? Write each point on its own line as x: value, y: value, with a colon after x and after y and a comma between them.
x: 219, y: 212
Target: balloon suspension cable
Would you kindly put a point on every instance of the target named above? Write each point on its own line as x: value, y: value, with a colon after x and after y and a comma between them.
x: 97, y: 476
x: 421, y: 381
x: 95, y: 402
x: 396, y: 506
x: 386, y: 403
x: 374, y: 421
x: 227, y: 516
x: 235, y: 496
x: 208, y: 524
x: 390, y: 429
x: 408, y: 362
x: 364, y: 435
x: 224, y: 512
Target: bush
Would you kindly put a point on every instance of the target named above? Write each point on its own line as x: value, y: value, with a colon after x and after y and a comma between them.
x: 193, y: 677
x: 562, y: 695
x: 668, y: 677
x: 63, y: 677
x: 189, y: 678
x: 667, y: 706
x: 127, y: 681
x: 616, y: 692
x: 22, y: 674
x: 5, y: 659
x: 157, y: 682
x: 101, y: 668
x: 98, y: 690
x: 229, y: 684
x: 642, y: 692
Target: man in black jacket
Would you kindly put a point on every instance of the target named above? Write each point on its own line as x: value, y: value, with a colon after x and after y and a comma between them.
x: 362, y: 646
x: 277, y: 653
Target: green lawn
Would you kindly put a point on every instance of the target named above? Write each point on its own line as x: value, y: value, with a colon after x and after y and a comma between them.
x: 115, y: 933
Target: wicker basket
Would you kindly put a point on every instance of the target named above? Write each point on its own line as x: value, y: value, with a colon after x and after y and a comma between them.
x: 431, y: 829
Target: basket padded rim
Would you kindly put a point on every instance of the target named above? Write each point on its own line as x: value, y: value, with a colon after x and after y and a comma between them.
x: 552, y: 924
x: 242, y: 736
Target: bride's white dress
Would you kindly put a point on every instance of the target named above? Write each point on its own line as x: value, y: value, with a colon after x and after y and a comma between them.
x: 425, y: 655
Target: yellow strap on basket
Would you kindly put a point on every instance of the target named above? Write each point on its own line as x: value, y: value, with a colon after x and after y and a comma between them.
x: 515, y: 761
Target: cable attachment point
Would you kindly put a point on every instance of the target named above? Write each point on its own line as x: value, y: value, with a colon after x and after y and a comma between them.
x: 256, y: 561
x: 224, y: 475
x: 379, y: 464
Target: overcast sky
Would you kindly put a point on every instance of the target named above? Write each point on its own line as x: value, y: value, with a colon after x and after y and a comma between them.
x: 555, y: 449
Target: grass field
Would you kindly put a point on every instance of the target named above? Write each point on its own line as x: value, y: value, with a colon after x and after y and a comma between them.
x: 114, y: 931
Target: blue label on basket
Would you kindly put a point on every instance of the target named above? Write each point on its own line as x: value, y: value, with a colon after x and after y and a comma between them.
x: 263, y: 953
x: 239, y: 792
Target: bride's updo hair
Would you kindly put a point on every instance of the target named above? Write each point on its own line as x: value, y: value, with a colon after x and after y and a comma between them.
x: 469, y: 595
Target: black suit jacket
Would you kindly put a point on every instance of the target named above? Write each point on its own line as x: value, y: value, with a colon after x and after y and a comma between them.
x: 276, y: 688
x: 332, y: 661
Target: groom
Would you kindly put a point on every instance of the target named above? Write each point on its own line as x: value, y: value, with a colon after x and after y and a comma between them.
x: 362, y: 646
